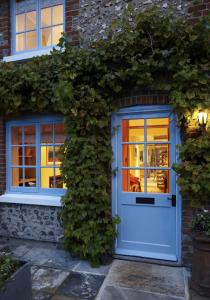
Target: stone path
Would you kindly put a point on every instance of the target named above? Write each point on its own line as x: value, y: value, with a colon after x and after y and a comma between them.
x: 56, y: 275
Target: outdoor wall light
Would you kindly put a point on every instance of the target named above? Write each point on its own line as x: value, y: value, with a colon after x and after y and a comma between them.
x: 202, y: 117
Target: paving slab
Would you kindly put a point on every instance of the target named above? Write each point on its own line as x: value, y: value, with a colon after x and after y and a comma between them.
x: 145, y: 278
x: 81, y: 286
x: 119, y: 293
x: 48, y: 280
x: 85, y: 267
x: 62, y: 260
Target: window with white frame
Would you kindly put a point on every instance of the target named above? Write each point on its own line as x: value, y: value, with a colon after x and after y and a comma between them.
x: 33, y: 153
x: 37, y: 24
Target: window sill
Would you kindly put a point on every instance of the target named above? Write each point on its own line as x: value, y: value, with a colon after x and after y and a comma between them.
x: 31, y: 199
x: 28, y: 55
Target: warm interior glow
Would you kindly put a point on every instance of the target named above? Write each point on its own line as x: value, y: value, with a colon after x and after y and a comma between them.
x: 144, y: 152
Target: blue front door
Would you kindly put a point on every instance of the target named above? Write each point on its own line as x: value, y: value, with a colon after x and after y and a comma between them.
x: 144, y: 188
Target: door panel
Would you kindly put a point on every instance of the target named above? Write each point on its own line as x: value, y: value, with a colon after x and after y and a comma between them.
x: 146, y: 150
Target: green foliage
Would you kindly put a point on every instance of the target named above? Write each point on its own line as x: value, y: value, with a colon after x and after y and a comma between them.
x: 7, y: 267
x: 147, y: 50
x: 201, y: 222
x: 194, y: 170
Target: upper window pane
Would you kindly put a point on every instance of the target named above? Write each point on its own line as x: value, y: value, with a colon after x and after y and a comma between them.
x: 20, y: 23
x: 46, y: 17
x: 133, y: 130
x: 47, y: 134
x: 29, y: 134
x: 31, y: 20
x: 16, y: 135
x: 57, y: 15
x: 158, y: 129
x: 59, y: 133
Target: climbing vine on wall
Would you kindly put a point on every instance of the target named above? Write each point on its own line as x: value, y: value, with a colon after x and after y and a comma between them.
x: 147, y: 50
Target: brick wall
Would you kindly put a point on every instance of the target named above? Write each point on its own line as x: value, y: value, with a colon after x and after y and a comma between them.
x: 4, y: 28
x: 199, y: 9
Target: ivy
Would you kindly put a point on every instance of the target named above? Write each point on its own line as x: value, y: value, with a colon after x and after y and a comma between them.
x: 148, y: 50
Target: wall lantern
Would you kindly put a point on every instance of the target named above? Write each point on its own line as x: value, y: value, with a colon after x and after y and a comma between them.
x: 202, y: 117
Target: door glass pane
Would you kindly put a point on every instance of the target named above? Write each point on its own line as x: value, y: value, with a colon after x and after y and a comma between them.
x: 46, y: 37
x: 46, y: 17
x: 30, y: 156
x: 56, y: 34
x: 158, y: 129
x: 60, y: 135
x: 30, y: 177
x: 133, y: 130
x: 20, y: 23
x: 47, y: 156
x: 29, y: 134
x: 57, y: 14
x: 20, y: 42
x: 31, y: 20
x: 16, y: 135
x: 17, y: 156
x: 47, y: 177
x: 17, y: 177
x: 31, y: 40
x: 158, y: 181
x: 158, y: 155
x: 133, y: 180
x: 46, y: 134
x: 133, y: 155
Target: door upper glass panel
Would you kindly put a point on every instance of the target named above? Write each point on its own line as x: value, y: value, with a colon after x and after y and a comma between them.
x: 146, y: 155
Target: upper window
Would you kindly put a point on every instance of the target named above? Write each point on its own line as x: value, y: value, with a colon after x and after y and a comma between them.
x: 37, y: 24
x: 34, y: 156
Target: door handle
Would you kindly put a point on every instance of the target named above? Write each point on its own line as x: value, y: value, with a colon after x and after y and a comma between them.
x: 173, y: 200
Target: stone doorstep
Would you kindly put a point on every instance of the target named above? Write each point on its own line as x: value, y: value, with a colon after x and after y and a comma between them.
x: 135, y: 280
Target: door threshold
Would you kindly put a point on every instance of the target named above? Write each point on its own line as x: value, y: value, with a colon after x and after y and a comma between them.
x: 149, y: 260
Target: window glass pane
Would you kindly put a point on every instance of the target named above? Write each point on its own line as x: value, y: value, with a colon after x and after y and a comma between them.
x: 17, y: 177
x: 30, y: 177
x: 47, y: 178
x: 20, y: 42
x: 58, y: 180
x: 47, y: 156
x: 46, y: 37
x: 158, y: 155
x: 30, y: 134
x: 29, y: 156
x: 133, y: 155
x: 46, y: 17
x: 133, y: 130
x: 57, y: 155
x: 31, y: 20
x: 57, y: 16
x: 54, y: 2
x: 133, y: 180
x: 17, y: 156
x: 158, y: 129
x: 20, y: 23
x: 30, y: 5
x: 56, y: 34
x: 47, y: 134
x: 31, y: 40
x: 16, y: 135
x: 158, y: 181
x: 60, y: 135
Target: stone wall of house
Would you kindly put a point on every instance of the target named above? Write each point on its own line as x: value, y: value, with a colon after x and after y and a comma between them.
x: 4, y: 28
x: 95, y: 16
x: 34, y: 222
